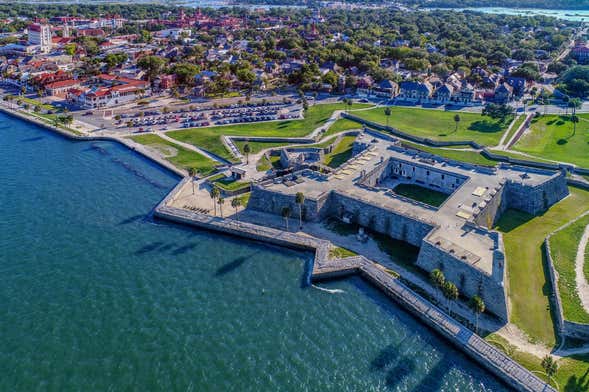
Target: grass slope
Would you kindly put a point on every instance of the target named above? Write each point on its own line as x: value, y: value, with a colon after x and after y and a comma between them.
x: 440, y: 125
x: 564, y: 246
x: 209, y: 137
x: 184, y: 158
x: 340, y: 153
x: 552, y: 137
x: 523, y: 236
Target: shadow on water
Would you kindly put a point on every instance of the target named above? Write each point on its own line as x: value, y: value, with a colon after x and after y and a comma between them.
x: 386, y: 357
x: 138, y: 173
x: 183, y: 249
x: 149, y: 248
x: 231, y: 266
x: 31, y: 139
x: 132, y: 219
x: 433, y: 380
x: 404, y: 369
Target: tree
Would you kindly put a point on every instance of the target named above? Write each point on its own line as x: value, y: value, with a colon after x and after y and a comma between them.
x: 437, y: 278
x: 235, y: 203
x: 221, y: 201
x: 549, y: 365
x: 70, y: 49
x: 23, y: 90
x: 286, y: 215
x: 457, y: 121
x: 152, y: 65
x: 185, y: 73
x: 246, y: 150
x: 387, y: 113
x: 478, y: 306
x: 214, y: 194
x: 450, y: 292
x: 574, y: 120
x: 300, y: 200
x: 574, y: 104
x: 192, y: 173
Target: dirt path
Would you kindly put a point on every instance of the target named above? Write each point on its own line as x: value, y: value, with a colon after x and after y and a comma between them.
x: 580, y: 280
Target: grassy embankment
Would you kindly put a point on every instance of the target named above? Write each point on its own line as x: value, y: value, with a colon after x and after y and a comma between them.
x: 228, y: 183
x: 209, y: 138
x: 564, y: 246
x: 177, y: 155
x: 553, y: 137
x: 528, y: 290
x: 439, y: 124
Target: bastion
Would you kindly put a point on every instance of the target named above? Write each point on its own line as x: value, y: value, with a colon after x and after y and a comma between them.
x: 455, y: 237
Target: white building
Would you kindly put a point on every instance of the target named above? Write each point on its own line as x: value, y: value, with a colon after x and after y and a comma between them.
x: 40, y: 34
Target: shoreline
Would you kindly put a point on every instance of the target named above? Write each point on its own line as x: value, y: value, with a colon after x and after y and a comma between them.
x: 135, y: 147
x: 486, y: 355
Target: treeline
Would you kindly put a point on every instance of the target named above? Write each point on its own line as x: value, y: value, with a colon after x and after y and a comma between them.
x: 129, y: 11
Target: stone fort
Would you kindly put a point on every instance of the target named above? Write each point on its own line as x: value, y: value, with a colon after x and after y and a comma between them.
x: 455, y: 237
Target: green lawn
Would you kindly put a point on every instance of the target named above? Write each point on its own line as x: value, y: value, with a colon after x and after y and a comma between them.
x: 340, y: 253
x: 424, y: 195
x: 340, y: 153
x: 518, y: 122
x: 440, y: 125
x: 342, y: 125
x: 552, y: 137
x: 177, y: 155
x: 209, y: 137
x: 528, y: 288
x: 473, y: 157
x: 256, y: 147
x: 564, y: 246
x: 34, y: 102
x: 228, y: 183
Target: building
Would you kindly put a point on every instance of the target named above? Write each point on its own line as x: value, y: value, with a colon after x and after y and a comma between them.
x: 40, y: 34
x: 580, y: 53
x: 455, y: 237
x: 415, y: 91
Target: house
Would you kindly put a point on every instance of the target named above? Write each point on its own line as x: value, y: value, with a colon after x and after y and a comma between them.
x: 580, y: 53
x: 60, y: 88
x: 444, y: 93
x: 518, y: 84
x: 415, y: 91
x: 503, y: 93
x: 386, y: 89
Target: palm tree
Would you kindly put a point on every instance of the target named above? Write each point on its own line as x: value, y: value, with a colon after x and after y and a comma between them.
x: 437, y: 278
x: 221, y: 201
x: 387, y: 113
x: 235, y: 203
x: 478, y: 306
x: 450, y: 292
x: 23, y: 90
x: 550, y: 366
x: 300, y: 200
x: 214, y: 194
x: 575, y: 120
x: 286, y: 215
x: 456, y: 120
x: 246, y: 150
x: 192, y: 173
x: 350, y: 102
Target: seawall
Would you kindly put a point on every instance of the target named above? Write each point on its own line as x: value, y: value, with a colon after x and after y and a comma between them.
x: 498, y: 363
x: 140, y: 149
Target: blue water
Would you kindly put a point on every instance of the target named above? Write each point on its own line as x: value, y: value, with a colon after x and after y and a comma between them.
x: 94, y: 295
